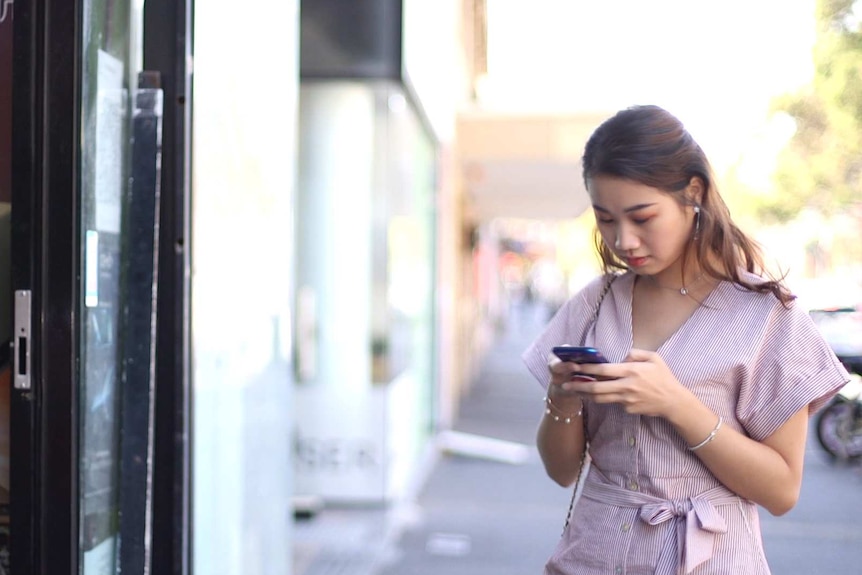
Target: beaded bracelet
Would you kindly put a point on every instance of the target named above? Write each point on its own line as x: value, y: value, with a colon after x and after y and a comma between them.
x: 560, y: 415
x: 709, y: 437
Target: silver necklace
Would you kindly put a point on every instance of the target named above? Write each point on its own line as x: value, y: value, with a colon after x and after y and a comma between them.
x: 682, y: 290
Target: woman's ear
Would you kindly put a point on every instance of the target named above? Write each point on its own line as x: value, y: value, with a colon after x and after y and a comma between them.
x: 695, y: 191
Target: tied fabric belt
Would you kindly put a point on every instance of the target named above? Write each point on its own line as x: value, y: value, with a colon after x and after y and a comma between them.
x: 695, y: 521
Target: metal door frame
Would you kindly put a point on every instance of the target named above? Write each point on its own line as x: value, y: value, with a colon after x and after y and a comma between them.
x: 45, y: 261
x: 168, y: 41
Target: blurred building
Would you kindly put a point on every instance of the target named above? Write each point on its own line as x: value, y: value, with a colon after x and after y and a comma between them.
x: 376, y: 235
x: 255, y: 261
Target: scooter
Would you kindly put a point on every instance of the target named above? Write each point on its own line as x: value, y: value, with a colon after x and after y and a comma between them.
x: 839, y: 424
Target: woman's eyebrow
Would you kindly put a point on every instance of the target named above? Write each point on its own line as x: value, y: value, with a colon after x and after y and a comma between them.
x: 627, y: 210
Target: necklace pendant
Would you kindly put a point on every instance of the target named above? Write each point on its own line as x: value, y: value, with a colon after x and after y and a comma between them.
x: 683, y: 291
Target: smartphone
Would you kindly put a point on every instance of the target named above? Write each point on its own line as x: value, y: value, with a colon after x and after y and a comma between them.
x: 577, y: 354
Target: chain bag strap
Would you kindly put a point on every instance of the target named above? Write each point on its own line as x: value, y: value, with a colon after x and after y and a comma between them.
x: 585, y: 457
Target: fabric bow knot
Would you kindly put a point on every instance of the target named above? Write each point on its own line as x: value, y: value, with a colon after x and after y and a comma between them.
x: 690, y: 540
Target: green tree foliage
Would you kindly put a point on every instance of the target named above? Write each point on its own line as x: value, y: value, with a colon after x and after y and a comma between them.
x: 821, y: 168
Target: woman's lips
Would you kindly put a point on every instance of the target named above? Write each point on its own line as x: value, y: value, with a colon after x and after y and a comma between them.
x: 636, y: 262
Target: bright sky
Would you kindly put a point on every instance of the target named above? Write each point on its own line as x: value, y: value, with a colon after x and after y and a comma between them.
x: 715, y: 64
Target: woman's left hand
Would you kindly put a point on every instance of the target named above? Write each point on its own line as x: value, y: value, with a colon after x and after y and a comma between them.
x: 642, y: 384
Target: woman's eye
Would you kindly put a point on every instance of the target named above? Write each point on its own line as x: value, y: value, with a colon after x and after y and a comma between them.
x: 641, y: 221
x: 605, y: 221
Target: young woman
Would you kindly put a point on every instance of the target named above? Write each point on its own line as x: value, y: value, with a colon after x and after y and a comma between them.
x: 702, y: 412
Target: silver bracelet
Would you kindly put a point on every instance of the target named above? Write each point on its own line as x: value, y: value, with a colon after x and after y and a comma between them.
x: 560, y: 415
x: 709, y: 437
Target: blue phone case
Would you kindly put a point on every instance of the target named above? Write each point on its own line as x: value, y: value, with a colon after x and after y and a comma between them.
x: 578, y: 354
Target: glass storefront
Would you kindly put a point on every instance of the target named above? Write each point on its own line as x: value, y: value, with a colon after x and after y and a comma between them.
x: 112, y: 55
x: 403, y: 337
x: 365, y: 286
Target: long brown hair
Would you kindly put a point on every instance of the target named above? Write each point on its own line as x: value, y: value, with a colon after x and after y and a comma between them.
x: 647, y: 144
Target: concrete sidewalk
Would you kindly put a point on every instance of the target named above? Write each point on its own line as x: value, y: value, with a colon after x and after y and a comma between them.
x: 486, y: 505
x: 478, y: 515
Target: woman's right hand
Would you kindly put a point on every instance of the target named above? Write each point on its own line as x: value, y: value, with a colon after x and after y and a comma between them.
x: 560, y: 437
x: 561, y: 373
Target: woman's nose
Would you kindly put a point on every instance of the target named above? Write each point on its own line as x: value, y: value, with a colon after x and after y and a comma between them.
x: 625, y: 240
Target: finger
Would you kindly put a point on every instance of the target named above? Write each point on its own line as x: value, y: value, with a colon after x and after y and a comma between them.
x: 586, y: 385
x: 597, y: 386
x: 576, y: 381
x: 555, y: 366
x: 640, y: 354
x: 597, y: 370
x: 577, y: 385
x: 604, y: 391
x: 561, y: 370
x: 565, y: 369
x: 562, y: 389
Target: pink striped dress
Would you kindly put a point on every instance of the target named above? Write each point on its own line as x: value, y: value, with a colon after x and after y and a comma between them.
x: 649, y: 506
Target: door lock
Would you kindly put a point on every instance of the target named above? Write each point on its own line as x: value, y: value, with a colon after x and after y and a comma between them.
x: 22, y: 341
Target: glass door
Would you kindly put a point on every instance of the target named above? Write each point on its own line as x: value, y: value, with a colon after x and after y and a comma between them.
x: 84, y: 151
x: 111, y: 56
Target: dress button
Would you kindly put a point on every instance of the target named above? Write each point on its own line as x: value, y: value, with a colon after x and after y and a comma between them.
x: 633, y: 486
x: 625, y: 527
x: 631, y: 441
x: 618, y: 569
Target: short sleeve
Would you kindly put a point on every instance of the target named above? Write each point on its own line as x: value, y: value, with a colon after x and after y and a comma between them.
x: 566, y: 327
x: 793, y: 367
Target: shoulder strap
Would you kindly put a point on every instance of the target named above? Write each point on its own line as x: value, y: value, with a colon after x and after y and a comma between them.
x: 607, y: 287
x: 585, y: 458
x: 609, y: 279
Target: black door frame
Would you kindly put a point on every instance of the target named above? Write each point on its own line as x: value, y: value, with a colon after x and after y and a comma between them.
x: 46, y: 260
x: 168, y: 41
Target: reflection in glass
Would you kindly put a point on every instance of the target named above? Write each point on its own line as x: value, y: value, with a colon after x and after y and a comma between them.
x: 109, y: 58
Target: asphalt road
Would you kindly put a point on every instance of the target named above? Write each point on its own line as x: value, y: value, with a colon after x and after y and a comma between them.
x: 823, y: 533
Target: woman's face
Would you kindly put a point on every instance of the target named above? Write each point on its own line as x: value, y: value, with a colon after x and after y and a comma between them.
x: 644, y: 226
